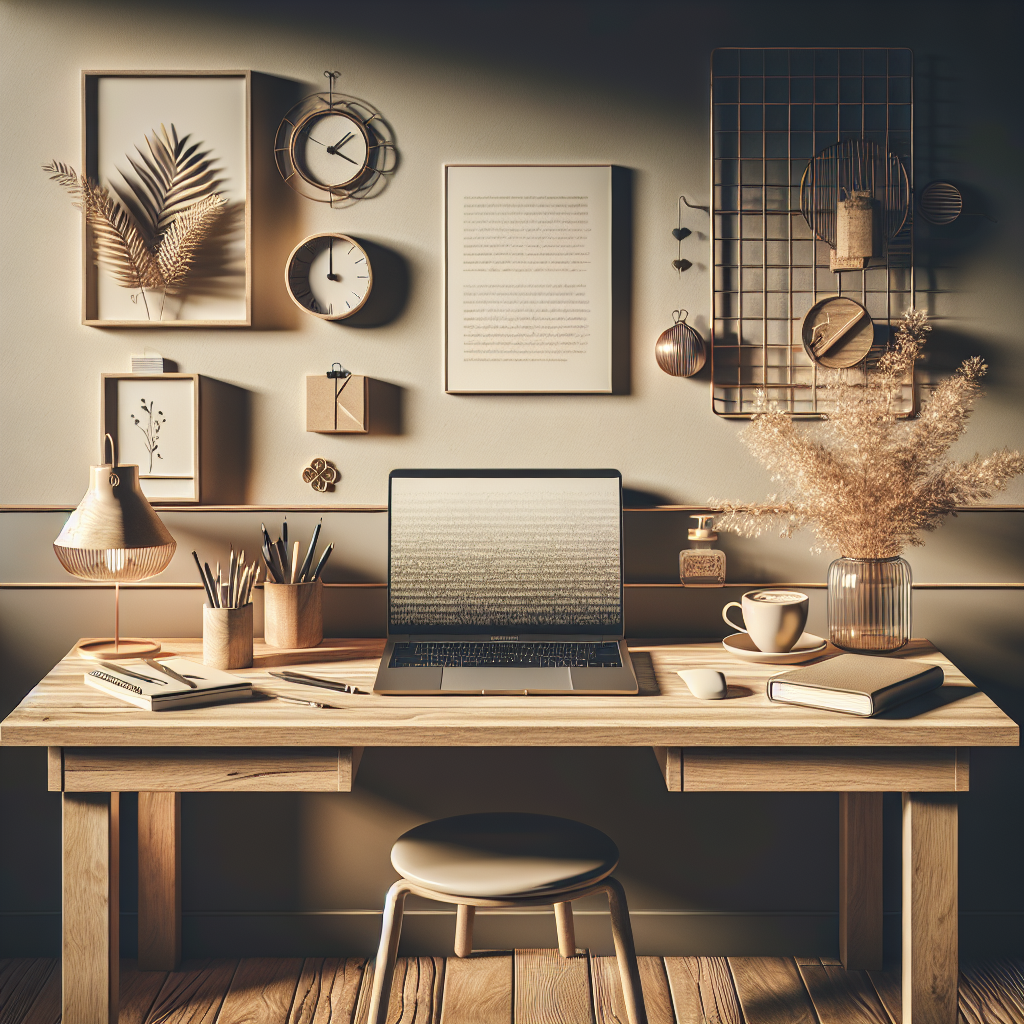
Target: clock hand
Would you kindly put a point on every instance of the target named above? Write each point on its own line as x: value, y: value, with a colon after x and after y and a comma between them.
x: 331, y: 275
x: 341, y: 142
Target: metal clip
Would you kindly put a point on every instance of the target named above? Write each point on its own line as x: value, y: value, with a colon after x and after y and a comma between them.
x: 334, y: 374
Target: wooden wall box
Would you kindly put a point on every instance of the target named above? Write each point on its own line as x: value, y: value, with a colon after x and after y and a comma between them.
x: 204, y: 444
x: 338, y: 405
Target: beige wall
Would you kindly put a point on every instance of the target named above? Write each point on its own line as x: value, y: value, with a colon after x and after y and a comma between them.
x: 612, y: 82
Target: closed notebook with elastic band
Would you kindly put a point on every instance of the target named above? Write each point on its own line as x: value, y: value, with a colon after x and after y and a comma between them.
x: 855, y: 684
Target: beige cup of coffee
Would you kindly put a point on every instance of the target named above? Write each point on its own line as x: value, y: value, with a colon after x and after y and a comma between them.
x: 774, y: 619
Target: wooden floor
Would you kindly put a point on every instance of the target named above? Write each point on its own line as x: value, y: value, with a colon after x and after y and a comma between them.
x: 531, y: 986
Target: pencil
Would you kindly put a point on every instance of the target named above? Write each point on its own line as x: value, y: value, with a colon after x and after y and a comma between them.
x: 295, y: 562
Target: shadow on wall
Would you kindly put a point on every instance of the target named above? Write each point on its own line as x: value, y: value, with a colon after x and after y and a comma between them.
x: 274, y: 205
x: 622, y: 277
x: 224, y: 442
x: 390, y: 291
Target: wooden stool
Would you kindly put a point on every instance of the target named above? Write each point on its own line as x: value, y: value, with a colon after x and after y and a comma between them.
x: 505, y: 860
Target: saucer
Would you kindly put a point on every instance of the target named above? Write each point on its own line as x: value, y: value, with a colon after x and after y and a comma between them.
x: 807, y: 647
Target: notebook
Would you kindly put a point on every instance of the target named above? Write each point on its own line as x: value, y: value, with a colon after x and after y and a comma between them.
x: 212, y: 685
x: 505, y: 581
x: 855, y: 684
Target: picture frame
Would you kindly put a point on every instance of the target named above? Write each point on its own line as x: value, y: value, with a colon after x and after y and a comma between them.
x: 529, y: 278
x: 128, y: 119
x: 154, y: 420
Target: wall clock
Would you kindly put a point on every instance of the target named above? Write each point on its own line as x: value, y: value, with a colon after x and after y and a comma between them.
x: 333, y: 148
x: 328, y: 275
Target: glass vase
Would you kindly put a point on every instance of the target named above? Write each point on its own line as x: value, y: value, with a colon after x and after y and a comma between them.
x: 869, y: 603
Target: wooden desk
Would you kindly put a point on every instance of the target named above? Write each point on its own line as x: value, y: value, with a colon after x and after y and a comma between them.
x: 99, y: 747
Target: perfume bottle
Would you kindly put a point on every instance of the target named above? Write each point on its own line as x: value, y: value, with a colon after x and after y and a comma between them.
x: 702, y: 565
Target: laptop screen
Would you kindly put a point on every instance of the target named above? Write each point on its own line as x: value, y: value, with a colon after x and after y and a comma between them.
x: 505, y: 552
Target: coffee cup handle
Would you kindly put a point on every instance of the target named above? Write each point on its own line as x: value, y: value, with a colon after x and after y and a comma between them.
x: 725, y: 615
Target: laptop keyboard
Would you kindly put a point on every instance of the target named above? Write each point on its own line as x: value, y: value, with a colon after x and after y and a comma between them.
x: 506, y: 655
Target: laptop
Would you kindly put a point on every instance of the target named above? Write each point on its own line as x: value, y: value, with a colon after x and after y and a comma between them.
x: 505, y: 582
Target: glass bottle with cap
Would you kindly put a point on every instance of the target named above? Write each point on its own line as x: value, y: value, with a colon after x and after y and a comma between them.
x: 702, y: 564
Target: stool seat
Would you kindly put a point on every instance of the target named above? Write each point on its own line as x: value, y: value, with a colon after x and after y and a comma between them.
x: 504, y: 854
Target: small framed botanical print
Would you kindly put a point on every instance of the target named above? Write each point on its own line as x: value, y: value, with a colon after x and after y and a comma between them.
x: 154, y: 421
x: 166, y: 236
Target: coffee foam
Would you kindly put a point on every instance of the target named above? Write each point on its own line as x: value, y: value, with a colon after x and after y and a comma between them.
x: 778, y: 597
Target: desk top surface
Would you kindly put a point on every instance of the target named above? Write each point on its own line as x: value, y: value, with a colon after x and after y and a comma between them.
x: 62, y: 711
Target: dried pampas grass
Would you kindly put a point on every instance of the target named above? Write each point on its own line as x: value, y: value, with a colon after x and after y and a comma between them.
x: 866, y: 482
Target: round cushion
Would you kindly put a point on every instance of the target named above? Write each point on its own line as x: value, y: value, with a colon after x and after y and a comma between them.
x: 503, y: 854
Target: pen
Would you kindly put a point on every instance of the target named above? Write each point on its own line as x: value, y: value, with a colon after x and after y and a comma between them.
x: 308, y: 561
x: 291, y: 700
x: 330, y: 684
x: 202, y: 576
x: 128, y: 672
x: 213, y: 585
x: 322, y: 562
x: 170, y: 672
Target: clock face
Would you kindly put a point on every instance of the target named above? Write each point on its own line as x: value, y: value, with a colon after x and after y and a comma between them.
x: 330, y: 149
x: 328, y: 276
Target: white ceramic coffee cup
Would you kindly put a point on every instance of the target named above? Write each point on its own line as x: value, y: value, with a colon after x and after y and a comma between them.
x: 773, y: 618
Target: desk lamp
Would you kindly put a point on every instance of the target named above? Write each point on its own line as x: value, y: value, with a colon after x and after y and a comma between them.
x: 114, y: 534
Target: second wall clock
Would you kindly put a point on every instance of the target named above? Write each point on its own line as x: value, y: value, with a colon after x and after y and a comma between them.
x: 329, y: 275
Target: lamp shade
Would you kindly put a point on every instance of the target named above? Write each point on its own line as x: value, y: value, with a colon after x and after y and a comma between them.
x: 114, y: 534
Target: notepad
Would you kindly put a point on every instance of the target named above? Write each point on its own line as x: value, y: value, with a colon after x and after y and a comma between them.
x: 212, y: 685
x: 855, y: 684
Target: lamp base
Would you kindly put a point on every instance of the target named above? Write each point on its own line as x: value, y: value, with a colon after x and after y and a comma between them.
x: 103, y: 649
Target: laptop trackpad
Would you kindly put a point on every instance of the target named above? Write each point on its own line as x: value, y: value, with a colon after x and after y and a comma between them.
x: 473, y: 680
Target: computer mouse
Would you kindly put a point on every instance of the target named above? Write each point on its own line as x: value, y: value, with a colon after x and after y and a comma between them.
x: 705, y: 683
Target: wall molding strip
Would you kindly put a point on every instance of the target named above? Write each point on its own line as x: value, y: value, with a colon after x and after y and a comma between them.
x: 62, y: 585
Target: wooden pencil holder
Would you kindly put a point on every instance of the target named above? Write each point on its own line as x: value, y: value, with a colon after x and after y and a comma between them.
x: 227, y: 637
x: 293, y: 614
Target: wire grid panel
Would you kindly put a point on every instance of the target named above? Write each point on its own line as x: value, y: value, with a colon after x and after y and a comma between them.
x: 772, y: 110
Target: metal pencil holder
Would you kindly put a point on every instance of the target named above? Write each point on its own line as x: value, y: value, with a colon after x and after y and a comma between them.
x: 293, y: 614
x: 227, y: 637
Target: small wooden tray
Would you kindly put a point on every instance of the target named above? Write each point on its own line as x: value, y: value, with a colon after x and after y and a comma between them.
x: 856, y: 332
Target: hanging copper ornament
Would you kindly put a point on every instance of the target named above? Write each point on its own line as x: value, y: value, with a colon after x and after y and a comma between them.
x: 680, y: 350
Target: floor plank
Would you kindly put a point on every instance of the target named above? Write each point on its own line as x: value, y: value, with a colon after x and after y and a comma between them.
x: 416, y: 990
x: 549, y: 987
x: 609, y: 1007
x: 683, y: 974
x: 261, y: 992
x: 890, y: 991
x: 991, y: 994
x: 327, y: 991
x: 46, y: 1009
x: 717, y: 993
x: 477, y: 990
x: 21, y: 985
x: 194, y: 994
x: 139, y: 991
x: 771, y: 991
x: 843, y: 997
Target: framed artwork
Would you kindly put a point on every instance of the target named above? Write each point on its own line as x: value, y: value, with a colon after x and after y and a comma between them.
x: 172, y: 247
x: 528, y: 279
x: 154, y: 421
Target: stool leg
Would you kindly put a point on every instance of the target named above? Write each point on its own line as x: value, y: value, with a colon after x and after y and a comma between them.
x: 566, y: 929
x: 464, y: 929
x: 625, y: 953
x: 387, y: 954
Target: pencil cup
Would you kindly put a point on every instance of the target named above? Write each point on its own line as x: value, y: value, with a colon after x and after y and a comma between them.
x: 293, y: 614
x: 227, y: 637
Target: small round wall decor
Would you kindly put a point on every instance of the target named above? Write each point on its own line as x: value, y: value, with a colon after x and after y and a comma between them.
x: 680, y: 350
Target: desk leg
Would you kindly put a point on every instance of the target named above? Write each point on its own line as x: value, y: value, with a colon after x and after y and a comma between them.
x: 90, y: 963
x: 159, y: 881
x: 860, y: 881
x: 930, y: 950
